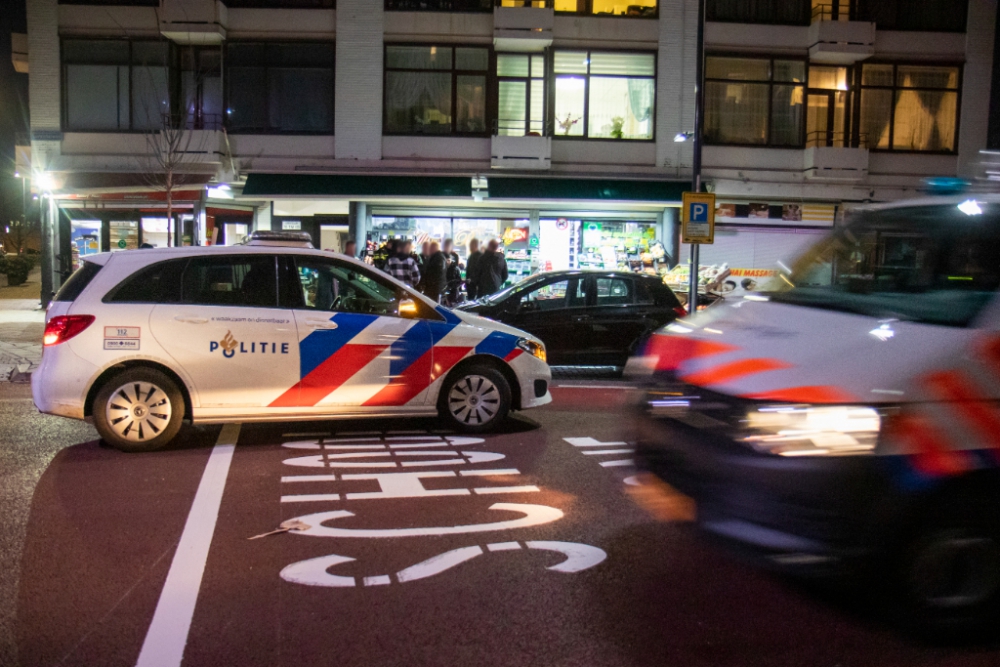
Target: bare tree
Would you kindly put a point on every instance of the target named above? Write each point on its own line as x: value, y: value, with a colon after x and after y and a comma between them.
x: 169, y: 161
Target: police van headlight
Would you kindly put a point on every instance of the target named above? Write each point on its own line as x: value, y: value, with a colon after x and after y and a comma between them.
x: 533, y: 348
x: 812, y: 430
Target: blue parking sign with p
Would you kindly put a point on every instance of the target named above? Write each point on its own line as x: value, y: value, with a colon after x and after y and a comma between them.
x: 698, y: 217
x: 699, y: 212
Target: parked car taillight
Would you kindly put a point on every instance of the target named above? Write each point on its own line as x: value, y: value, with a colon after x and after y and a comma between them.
x: 63, y: 327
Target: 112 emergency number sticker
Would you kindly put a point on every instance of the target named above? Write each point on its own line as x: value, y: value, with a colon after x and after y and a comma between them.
x: 121, y: 338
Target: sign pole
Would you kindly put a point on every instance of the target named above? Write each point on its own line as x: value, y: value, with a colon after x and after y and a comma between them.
x: 696, y: 158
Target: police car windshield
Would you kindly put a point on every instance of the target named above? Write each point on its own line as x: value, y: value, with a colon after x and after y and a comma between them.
x: 937, y: 264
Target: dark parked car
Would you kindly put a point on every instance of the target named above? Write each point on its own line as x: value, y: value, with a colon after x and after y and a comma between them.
x: 584, y: 317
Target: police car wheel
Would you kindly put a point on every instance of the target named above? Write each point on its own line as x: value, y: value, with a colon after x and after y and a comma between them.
x: 475, y: 399
x: 139, y: 410
x: 948, y: 578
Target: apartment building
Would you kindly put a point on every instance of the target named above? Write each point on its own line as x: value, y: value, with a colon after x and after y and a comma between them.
x: 551, y: 124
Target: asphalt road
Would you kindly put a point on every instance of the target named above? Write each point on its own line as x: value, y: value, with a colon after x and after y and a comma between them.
x: 525, y: 547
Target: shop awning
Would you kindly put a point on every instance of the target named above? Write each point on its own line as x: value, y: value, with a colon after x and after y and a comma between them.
x: 500, y: 187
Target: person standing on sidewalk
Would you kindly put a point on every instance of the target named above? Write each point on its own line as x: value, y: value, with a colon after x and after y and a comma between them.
x: 471, y: 268
x: 401, y: 265
x: 491, y: 270
x: 435, y: 273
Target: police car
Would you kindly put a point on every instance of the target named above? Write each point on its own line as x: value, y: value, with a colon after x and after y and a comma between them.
x: 847, y: 420
x: 139, y: 341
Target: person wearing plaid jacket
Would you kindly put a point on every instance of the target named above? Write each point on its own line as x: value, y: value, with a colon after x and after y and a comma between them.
x: 401, y: 266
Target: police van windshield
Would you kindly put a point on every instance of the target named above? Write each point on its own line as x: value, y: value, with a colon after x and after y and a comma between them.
x: 937, y: 264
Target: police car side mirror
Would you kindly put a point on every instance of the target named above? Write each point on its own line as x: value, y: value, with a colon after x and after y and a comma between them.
x: 407, y: 308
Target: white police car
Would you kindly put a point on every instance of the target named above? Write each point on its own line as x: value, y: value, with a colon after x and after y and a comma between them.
x: 139, y: 341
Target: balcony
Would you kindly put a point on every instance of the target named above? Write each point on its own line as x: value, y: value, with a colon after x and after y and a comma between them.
x: 833, y: 156
x: 836, y: 37
x: 523, y: 25
x: 193, y: 21
x: 517, y: 144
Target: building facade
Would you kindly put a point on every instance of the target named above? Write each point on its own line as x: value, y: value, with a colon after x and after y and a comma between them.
x: 549, y: 124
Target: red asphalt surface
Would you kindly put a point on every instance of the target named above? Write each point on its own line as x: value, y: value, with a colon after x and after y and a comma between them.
x: 104, y: 527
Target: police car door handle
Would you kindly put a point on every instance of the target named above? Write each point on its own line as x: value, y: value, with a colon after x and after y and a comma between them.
x: 191, y: 320
x: 321, y: 324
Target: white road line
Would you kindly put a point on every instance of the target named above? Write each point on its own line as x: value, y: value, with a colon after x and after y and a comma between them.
x: 616, y: 464
x: 594, y: 452
x: 168, y: 632
x: 315, y: 434
x: 590, y: 442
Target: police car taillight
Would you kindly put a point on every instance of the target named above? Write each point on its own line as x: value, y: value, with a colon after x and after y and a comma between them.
x: 63, y: 327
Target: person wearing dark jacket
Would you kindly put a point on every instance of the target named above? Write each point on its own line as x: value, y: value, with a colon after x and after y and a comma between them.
x: 491, y: 270
x: 470, y: 269
x: 435, y: 275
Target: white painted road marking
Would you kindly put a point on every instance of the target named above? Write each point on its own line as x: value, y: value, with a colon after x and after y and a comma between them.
x: 590, y: 442
x: 314, y: 572
x: 168, y: 632
x: 600, y: 452
x: 405, y: 485
x: 534, y: 515
x: 618, y: 464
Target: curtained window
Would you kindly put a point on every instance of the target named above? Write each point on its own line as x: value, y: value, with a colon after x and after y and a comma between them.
x: 910, y: 107
x: 521, y: 92
x: 754, y: 101
x: 605, y: 95
x: 435, y: 89
x: 280, y: 88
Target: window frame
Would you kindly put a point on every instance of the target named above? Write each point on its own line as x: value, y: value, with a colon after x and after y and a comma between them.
x: 497, y: 79
x: 894, y: 88
x: 770, y: 83
x: 169, y: 66
x: 273, y: 132
x: 489, y: 74
x: 552, y: 77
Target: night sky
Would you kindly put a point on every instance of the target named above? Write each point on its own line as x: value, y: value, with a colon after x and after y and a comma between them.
x: 13, y: 108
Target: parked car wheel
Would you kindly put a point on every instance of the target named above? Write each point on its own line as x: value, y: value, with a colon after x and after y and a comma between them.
x: 475, y: 399
x: 138, y: 410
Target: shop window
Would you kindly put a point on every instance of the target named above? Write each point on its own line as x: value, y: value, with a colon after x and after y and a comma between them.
x: 602, y: 95
x: 231, y: 281
x: 435, y: 89
x: 521, y: 92
x: 754, y: 101
x: 280, y: 88
x: 785, y: 12
x: 636, y: 8
x: 114, y: 84
x: 200, y: 88
x: 910, y: 107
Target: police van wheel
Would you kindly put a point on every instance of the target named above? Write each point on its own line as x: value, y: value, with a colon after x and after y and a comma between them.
x: 139, y: 410
x: 948, y: 572
x: 476, y: 399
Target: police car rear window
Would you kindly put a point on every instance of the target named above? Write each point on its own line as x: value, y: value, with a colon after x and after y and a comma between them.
x: 159, y: 283
x: 77, y: 282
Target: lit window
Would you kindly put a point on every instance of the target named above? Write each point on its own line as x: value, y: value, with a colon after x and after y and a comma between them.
x: 601, y: 95
x: 909, y: 107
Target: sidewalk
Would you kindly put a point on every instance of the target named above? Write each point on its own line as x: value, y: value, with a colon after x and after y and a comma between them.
x: 22, y: 322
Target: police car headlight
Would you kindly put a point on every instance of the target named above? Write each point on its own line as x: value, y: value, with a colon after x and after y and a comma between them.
x: 533, y: 348
x: 808, y: 430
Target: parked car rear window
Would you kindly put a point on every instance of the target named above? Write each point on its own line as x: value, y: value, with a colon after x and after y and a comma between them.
x: 159, y: 283
x: 77, y: 282
x: 614, y: 292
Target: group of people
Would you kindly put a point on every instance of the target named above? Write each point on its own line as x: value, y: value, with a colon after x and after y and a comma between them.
x: 437, y: 270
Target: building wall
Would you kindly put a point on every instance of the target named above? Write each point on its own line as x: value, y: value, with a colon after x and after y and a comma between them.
x: 360, y: 28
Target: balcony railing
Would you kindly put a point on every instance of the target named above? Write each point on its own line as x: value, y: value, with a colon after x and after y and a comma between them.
x: 831, y: 139
x: 537, y: 4
x: 196, y: 121
x: 439, y: 5
x: 520, y: 127
x: 834, y: 11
